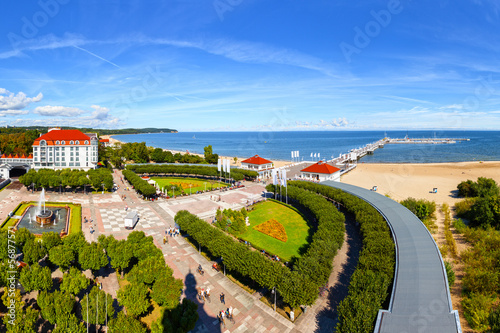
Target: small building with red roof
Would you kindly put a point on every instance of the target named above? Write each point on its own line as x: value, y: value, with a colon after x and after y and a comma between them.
x: 320, y: 171
x: 256, y: 163
x: 104, y: 142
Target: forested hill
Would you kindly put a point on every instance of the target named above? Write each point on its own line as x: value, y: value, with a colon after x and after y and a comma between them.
x: 99, y: 131
x: 19, y: 140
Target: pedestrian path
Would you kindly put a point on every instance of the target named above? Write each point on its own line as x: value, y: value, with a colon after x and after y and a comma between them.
x: 107, y: 212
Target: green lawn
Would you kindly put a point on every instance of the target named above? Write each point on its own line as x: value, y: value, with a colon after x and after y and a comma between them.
x: 295, y: 225
x: 197, y: 184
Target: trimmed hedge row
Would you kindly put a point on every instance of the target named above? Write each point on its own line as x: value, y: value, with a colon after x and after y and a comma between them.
x: 316, y: 263
x: 139, y: 184
x: 371, y: 282
x: 297, y: 287
x: 236, y: 174
x: 294, y: 288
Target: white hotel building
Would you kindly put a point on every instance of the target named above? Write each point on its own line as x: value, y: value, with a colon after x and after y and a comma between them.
x: 60, y: 149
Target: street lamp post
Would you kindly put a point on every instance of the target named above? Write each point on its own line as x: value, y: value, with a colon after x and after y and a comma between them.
x: 173, y: 191
x: 274, y: 292
x: 103, y: 188
x: 205, y: 186
x: 190, y: 185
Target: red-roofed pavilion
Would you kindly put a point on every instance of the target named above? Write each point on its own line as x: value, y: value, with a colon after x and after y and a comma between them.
x: 321, y: 171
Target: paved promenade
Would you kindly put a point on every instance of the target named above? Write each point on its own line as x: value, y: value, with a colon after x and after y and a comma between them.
x: 107, y: 212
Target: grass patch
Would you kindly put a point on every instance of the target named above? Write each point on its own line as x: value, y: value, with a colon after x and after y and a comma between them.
x: 10, y: 222
x: 196, y: 184
x: 153, y: 315
x: 295, y: 225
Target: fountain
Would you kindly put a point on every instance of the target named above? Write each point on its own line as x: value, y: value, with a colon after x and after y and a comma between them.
x: 43, y: 216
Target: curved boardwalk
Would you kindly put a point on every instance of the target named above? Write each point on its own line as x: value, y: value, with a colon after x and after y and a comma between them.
x: 420, y: 300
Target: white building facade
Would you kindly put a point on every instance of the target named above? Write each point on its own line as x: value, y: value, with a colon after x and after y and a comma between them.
x: 60, y: 149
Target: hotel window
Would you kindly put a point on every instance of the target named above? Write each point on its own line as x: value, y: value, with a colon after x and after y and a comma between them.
x: 77, y: 142
x: 63, y: 142
x: 71, y: 142
x: 86, y: 142
x: 57, y: 142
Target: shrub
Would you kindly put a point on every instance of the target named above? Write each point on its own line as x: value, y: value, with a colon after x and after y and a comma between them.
x: 450, y: 273
x: 476, y: 310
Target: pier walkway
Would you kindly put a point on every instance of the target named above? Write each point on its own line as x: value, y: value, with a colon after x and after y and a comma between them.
x: 420, y: 300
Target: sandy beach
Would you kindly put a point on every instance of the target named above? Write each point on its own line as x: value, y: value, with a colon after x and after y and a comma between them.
x: 401, y: 181
x: 277, y: 163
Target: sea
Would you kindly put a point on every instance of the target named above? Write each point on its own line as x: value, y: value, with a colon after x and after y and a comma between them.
x: 321, y: 145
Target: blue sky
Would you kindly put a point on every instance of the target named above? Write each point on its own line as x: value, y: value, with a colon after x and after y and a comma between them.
x: 251, y: 64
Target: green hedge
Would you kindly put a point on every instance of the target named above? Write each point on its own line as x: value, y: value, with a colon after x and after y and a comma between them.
x: 139, y: 184
x: 295, y: 288
x: 236, y: 174
x: 316, y: 263
x: 370, y: 284
x: 298, y: 286
x: 68, y: 177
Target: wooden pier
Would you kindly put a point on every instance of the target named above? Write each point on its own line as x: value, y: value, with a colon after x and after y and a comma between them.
x: 348, y: 161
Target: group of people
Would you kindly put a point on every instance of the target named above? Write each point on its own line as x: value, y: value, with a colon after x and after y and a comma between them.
x: 225, y: 314
x: 172, y: 232
x: 204, y: 294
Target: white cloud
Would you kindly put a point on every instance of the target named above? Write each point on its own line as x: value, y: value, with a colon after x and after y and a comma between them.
x: 100, y: 112
x: 3, y: 113
x: 11, y: 101
x: 58, y: 111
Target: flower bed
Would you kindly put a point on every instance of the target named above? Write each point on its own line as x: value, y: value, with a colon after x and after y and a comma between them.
x: 274, y: 229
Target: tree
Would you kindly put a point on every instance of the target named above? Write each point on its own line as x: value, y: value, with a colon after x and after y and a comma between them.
x: 76, y: 242
x: 23, y: 235
x: 69, y: 323
x: 18, y: 319
x: 121, y: 253
x: 50, y: 240
x: 36, y: 278
x: 182, y: 319
x: 92, y: 257
x: 74, y: 281
x: 33, y: 251
x: 62, y: 256
x: 167, y: 291
x: 134, y: 297
x: 210, y: 157
x: 54, y: 305
x: 148, y: 270
x: 124, y: 323
x: 158, y: 155
x: 97, y: 300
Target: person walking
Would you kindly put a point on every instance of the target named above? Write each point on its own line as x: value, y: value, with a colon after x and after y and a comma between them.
x: 222, y: 300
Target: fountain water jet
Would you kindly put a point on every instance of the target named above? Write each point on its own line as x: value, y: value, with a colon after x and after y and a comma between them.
x: 43, y: 216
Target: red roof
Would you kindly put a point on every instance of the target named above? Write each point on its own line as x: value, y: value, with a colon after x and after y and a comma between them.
x: 256, y: 160
x: 31, y: 156
x: 4, y: 156
x: 321, y: 167
x: 104, y: 140
x: 62, y: 135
